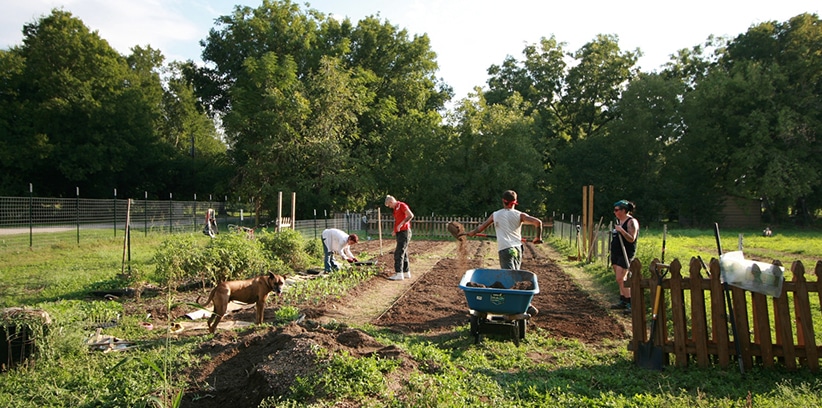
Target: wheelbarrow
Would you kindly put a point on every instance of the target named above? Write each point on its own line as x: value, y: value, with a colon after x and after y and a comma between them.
x: 498, y: 301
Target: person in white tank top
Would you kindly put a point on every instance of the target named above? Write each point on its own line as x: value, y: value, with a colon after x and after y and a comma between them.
x: 508, y: 225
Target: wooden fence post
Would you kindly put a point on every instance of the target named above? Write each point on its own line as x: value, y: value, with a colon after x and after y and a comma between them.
x: 719, y: 317
x: 784, y: 333
x: 638, y: 328
x: 740, y: 310
x: 699, y: 320
x: 804, y: 321
x: 678, y: 314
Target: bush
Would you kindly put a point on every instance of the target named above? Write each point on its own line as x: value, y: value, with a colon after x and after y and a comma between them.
x: 314, y: 248
x: 185, y: 258
x: 179, y: 258
x: 233, y: 256
x: 288, y: 246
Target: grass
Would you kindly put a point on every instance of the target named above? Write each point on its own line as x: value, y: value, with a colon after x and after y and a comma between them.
x: 451, y: 371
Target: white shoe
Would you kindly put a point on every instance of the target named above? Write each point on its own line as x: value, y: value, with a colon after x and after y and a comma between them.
x: 407, y: 275
x: 397, y: 276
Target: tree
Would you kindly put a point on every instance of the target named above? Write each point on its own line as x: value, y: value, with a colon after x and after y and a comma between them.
x: 567, y: 102
x: 329, y: 173
x: 497, y: 150
x: 81, y: 115
x: 308, y: 102
x: 86, y: 113
x: 262, y: 128
x: 753, y: 119
x: 20, y: 149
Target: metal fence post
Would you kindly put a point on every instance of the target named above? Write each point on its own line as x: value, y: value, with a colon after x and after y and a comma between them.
x: 31, y: 215
x: 145, y: 214
x: 170, y: 212
x: 77, y: 201
x: 115, y: 212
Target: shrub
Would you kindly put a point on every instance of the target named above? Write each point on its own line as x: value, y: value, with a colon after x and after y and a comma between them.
x: 179, y: 258
x: 233, y: 256
x: 182, y: 259
x: 288, y: 246
x: 314, y: 248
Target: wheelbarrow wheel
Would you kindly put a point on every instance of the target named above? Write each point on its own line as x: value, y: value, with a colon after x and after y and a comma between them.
x: 515, y: 333
x: 522, y: 323
x: 475, y: 328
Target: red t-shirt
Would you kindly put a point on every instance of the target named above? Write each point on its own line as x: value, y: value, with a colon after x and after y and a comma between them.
x: 399, y: 214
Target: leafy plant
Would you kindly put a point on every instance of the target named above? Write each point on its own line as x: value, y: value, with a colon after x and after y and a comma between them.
x: 179, y: 258
x: 287, y: 245
x: 314, y: 248
x: 331, y: 286
x: 286, y: 314
x: 232, y: 256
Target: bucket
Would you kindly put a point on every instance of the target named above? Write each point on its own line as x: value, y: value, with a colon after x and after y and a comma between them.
x: 760, y: 277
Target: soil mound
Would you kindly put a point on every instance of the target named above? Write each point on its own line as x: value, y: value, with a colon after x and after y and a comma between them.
x: 244, y: 368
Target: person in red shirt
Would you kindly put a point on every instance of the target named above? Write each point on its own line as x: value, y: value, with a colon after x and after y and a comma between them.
x: 402, y: 230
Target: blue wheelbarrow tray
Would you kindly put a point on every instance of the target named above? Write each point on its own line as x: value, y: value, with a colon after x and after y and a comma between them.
x: 498, y: 310
x: 498, y: 301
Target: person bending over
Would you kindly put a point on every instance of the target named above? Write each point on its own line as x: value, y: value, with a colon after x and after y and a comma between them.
x: 336, y: 241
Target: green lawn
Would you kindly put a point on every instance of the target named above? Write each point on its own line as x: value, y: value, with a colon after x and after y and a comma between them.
x: 541, y: 372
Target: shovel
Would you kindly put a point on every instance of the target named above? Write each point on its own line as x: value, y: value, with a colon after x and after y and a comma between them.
x: 458, y: 231
x: 650, y: 356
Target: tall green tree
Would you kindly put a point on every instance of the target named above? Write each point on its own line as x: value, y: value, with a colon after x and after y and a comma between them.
x: 627, y: 159
x: 81, y: 115
x: 20, y: 149
x: 87, y: 115
x: 568, y: 102
x: 262, y: 128
x: 309, y: 102
x: 497, y: 150
x: 331, y: 175
x: 753, y: 120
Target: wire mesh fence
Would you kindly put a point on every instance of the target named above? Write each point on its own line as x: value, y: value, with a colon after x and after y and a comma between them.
x: 30, y: 222
x: 36, y: 221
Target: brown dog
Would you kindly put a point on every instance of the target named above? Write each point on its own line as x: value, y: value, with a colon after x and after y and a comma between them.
x: 254, y: 290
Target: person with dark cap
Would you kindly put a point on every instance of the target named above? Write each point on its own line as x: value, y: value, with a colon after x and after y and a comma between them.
x: 508, y: 225
x: 337, y: 241
x: 623, y: 250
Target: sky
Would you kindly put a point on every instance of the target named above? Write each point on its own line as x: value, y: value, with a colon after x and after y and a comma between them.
x: 468, y: 35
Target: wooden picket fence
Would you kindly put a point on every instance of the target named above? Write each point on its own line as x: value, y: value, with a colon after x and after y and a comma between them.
x: 436, y: 227
x: 781, y: 333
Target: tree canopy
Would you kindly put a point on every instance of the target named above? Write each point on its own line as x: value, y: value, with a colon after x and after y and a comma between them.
x: 81, y: 115
x: 344, y: 112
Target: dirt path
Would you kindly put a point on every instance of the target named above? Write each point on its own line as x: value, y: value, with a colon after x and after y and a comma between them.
x: 377, y: 296
x: 432, y: 302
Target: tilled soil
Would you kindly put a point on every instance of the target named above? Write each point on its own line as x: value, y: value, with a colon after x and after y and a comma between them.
x: 244, y: 367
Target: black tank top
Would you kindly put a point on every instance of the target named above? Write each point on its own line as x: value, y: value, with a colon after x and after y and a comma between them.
x: 630, y: 247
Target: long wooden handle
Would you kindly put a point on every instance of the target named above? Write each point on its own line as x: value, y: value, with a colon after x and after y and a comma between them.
x: 657, y: 296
